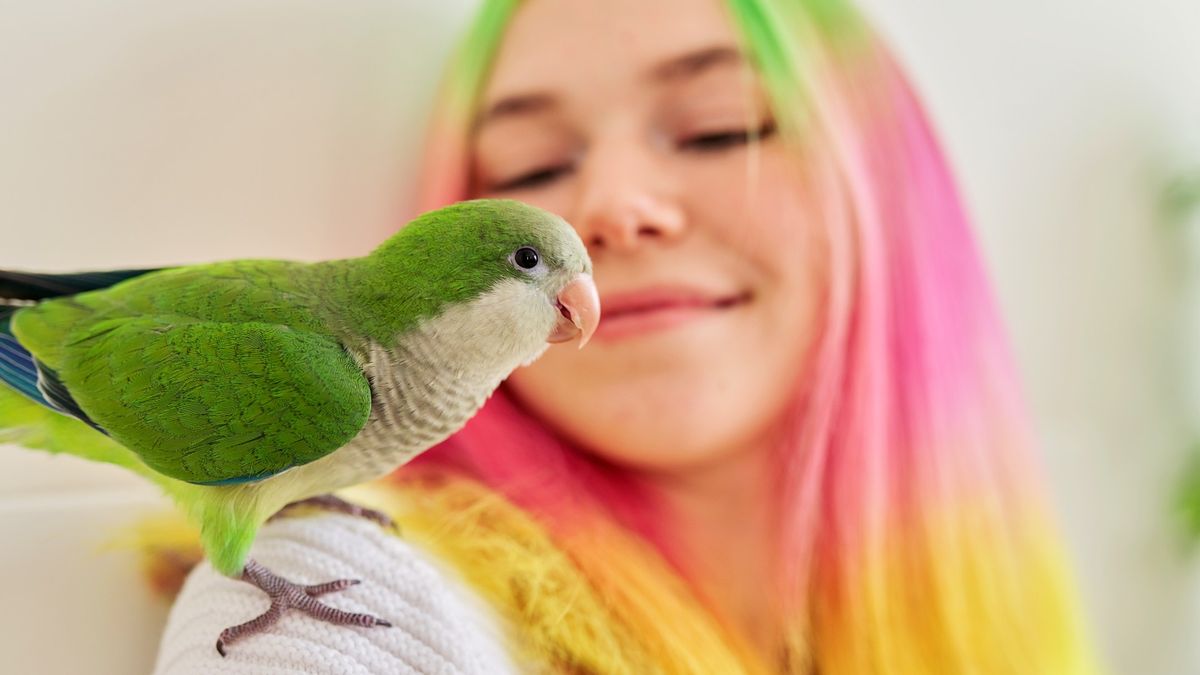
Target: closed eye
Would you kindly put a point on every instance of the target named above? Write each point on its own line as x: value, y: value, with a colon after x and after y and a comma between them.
x: 533, y: 179
x: 721, y: 140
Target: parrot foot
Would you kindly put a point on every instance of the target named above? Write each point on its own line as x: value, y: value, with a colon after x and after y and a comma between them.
x: 339, y: 505
x: 287, y: 595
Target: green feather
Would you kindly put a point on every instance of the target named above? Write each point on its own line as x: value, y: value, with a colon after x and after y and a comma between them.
x: 211, y: 402
x: 236, y: 371
x: 23, y: 422
x: 449, y: 256
x: 229, y: 517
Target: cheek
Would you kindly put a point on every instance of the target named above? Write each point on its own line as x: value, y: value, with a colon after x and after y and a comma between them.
x: 700, y: 395
x: 756, y: 206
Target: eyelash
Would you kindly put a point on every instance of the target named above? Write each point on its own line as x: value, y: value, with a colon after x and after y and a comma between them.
x: 703, y: 143
x: 533, y: 179
x: 722, y: 140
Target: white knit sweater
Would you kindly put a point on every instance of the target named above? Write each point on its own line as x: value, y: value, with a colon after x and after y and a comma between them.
x: 438, y: 624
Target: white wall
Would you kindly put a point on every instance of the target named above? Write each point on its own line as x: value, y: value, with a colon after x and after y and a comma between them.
x: 143, y: 133
x: 135, y: 133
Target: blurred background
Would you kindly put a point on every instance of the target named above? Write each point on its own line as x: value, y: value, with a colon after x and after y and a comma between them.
x: 138, y: 133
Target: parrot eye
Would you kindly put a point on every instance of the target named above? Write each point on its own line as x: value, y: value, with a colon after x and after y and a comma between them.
x: 526, y: 258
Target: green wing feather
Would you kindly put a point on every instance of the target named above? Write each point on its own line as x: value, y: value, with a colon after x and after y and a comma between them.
x: 23, y: 422
x: 208, y: 402
x: 214, y: 374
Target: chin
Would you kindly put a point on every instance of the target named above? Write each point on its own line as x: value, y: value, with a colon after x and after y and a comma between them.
x: 660, y: 449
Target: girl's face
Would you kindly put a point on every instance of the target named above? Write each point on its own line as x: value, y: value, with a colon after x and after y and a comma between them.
x: 637, y: 122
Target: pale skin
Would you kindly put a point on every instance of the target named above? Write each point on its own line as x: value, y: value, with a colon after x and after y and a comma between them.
x: 644, y: 125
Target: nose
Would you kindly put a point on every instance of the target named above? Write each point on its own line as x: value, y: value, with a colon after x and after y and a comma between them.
x: 625, y: 199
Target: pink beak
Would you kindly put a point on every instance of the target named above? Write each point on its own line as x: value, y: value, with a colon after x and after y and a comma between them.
x: 579, y: 305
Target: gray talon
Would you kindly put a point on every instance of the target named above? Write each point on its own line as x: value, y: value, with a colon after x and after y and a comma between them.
x: 287, y: 595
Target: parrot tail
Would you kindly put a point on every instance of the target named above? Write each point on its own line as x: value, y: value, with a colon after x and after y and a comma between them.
x: 18, y: 368
x: 20, y: 289
x: 23, y: 422
x: 29, y: 414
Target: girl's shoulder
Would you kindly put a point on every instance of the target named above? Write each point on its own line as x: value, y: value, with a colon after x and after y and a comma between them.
x: 438, y: 623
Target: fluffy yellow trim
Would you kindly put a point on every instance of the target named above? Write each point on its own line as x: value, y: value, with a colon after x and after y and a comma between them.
x: 601, y: 603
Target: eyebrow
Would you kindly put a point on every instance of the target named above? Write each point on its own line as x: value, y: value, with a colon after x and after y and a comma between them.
x: 696, y: 62
x: 677, y: 68
x: 512, y: 106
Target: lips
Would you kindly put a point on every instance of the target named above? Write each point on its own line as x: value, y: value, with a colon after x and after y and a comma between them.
x: 651, y: 300
x: 650, y: 309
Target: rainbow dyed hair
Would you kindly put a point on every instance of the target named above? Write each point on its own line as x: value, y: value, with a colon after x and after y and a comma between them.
x: 913, y: 537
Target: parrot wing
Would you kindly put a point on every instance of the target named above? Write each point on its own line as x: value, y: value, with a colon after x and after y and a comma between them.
x: 209, y: 402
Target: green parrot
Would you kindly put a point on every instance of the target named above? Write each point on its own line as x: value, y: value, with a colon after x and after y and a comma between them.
x: 242, y: 387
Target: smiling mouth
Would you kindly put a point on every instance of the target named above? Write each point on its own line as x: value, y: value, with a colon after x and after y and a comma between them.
x: 615, y: 310
x: 644, y: 312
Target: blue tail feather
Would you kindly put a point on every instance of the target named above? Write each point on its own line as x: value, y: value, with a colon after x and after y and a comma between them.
x: 19, y: 368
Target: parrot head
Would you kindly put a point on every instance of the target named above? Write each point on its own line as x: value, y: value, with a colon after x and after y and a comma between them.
x: 497, y: 275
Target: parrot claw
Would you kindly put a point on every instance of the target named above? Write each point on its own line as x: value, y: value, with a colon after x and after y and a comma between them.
x: 339, y: 505
x: 287, y: 595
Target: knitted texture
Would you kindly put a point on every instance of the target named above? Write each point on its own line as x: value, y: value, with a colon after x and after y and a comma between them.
x: 570, y: 619
x: 455, y: 535
x: 438, y: 625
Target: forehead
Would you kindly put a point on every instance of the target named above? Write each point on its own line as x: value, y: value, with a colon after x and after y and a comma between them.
x: 569, y: 45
